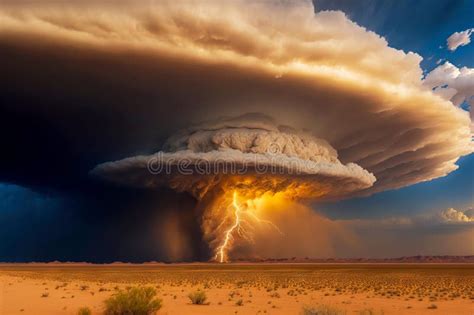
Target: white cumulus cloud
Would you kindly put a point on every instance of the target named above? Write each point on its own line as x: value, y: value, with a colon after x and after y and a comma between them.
x: 453, y: 215
x: 453, y: 83
x: 458, y: 39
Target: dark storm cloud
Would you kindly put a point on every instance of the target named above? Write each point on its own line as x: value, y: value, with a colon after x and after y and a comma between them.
x: 94, y: 225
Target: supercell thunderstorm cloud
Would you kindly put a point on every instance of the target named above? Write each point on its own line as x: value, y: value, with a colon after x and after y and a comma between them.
x: 265, y: 105
x: 248, y: 158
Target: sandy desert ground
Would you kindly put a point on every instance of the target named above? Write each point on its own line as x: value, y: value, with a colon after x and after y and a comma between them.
x: 282, y: 289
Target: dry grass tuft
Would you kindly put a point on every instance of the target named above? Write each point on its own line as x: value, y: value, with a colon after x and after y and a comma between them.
x: 321, y: 310
x: 84, y: 311
x: 432, y: 307
x: 136, y: 301
x: 369, y: 311
x: 198, y: 297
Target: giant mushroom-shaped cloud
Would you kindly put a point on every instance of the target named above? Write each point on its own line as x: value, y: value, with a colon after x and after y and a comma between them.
x: 249, y: 152
x: 194, y: 61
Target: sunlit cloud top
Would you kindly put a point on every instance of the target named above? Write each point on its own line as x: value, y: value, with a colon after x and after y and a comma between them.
x: 315, y: 71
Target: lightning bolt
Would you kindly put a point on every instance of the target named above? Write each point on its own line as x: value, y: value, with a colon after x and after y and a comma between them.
x: 221, y: 250
x: 237, y: 226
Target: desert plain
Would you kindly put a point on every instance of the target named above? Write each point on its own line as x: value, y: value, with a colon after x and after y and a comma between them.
x: 279, y: 289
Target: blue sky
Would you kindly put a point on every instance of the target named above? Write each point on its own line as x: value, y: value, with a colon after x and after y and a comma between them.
x: 422, y: 28
x: 455, y: 190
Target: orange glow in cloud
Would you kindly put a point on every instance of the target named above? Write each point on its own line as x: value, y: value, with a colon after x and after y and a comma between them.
x: 246, y: 219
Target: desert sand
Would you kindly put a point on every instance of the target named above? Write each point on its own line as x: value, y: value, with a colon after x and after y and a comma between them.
x: 278, y: 289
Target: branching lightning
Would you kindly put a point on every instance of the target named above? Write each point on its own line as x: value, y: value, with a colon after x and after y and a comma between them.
x: 242, y: 225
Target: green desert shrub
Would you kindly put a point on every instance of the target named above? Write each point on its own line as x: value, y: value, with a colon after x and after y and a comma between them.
x: 321, y: 310
x: 133, y: 301
x: 198, y: 297
x: 84, y: 311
